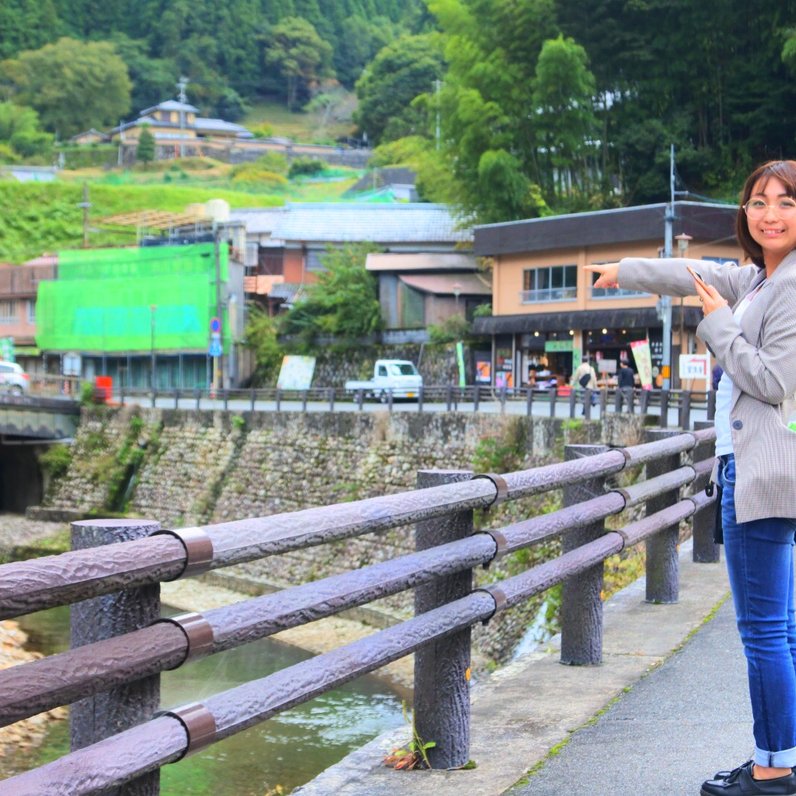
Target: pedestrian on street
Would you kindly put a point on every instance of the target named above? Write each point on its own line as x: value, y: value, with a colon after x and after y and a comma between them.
x: 748, y: 325
x: 626, y: 381
x: 585, y: 378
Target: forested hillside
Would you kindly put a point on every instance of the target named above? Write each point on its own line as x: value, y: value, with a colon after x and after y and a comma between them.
x: 229, y: 50
x: 504, y: 108
x: 560, y: 105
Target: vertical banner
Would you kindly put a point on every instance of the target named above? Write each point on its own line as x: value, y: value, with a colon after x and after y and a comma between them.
x: 296, y: 373
x: 460, y: 363
x: 641, y: 353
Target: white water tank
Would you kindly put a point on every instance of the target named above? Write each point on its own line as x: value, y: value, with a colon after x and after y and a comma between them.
x: 218, y: 209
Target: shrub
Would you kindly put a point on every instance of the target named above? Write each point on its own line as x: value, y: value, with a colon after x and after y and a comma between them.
x: 55, y: 460
x: 305, y: 167
x: 251, y: 174
x: 7, y: 154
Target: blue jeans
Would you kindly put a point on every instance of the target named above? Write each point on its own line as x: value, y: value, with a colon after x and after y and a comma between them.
x: 760, y: 565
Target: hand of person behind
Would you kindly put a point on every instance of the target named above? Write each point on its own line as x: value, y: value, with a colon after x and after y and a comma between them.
x: 608, y: 274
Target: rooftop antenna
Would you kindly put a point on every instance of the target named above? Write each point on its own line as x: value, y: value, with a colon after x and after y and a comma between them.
x: 182, y: 84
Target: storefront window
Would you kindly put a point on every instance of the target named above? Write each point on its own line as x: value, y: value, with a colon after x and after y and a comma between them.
x: 552, y: 283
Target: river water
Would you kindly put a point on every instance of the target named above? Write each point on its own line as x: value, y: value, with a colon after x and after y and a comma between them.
x: 287, y: 750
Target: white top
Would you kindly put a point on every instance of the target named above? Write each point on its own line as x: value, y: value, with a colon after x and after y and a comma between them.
x: 724, y: 393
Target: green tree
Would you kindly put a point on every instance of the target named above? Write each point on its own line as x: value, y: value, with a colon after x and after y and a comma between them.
x: 19, y: 129
x: 73, y: 85
x: 403, y: 70
x: 153, y: 79
x: 261, y: 337
x: 145, y: 153
x: 566, y: 124
x: 363, y: 38
x: 26, y: 24
x: 486, y: 102
x: 300, y: 56
x: 343, y: 302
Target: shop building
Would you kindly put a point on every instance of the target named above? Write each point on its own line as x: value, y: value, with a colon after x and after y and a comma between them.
x: 546, y: 314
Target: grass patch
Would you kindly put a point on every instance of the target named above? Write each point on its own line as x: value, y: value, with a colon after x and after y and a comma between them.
x: 59, y: 542
x: 303, y: 126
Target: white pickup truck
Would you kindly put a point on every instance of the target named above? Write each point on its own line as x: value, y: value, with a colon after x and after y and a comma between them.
x: 396, y: 376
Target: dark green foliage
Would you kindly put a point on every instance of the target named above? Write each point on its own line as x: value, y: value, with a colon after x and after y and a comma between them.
x: 261, y: 338
x: 72, y: 85
x: 305, y: 167
x: 19, y: 129
x: 403, y: 70
x: 146, y: 146
x: 300, y: 57
x: 55, y: 460
x: 218, y: 46
x: 343, y: 303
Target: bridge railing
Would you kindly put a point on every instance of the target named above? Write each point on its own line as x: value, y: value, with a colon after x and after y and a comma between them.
x: 120, y: 644
x: 687, y: 404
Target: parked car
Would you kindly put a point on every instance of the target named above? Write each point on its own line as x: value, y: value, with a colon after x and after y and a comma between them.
x: 396, y: 376
x: 13, y: 379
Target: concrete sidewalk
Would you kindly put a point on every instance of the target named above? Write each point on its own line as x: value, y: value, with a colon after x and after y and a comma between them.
x: 664, y: 710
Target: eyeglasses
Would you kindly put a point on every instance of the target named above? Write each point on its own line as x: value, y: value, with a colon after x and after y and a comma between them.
x: 757, y: 208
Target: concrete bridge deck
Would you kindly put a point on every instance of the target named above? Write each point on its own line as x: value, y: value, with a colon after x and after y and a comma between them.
x: 666, y: 709
x: 38, y: 417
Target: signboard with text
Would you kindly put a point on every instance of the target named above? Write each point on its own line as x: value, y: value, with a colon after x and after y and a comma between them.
x: 694, y: 366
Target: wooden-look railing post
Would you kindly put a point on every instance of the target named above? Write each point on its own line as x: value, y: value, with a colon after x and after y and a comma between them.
x: 442, y: 668
x: 663, y: 572
x: 706, y: 551
x: 581, y: 597
x: 105, y: 714
x: 664, y: 419
x: 685, y: 410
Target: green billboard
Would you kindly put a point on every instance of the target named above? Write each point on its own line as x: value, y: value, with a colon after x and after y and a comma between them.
x: 131, y: 300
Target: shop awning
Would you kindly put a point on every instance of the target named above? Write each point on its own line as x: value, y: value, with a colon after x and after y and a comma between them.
x: 641, y: 318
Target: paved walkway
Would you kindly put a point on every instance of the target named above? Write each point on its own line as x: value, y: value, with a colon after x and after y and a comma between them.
x: 666, y: 708
x: 671, y: 731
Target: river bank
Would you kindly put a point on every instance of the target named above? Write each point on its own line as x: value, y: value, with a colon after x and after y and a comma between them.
x: 28, y: 733
x: 15, y: 532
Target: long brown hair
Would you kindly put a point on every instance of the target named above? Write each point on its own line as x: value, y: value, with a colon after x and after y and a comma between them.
x: 785, y: 172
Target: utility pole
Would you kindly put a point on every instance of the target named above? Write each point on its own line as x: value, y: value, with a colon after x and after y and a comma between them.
x: 665, y: 303
x: 218, y: 375
x: 85, y: 204
x: 152, y: 362
x: 183, y: 98
x: 437, y: 87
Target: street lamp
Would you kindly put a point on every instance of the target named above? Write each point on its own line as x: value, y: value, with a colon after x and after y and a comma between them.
x: 152, y: 310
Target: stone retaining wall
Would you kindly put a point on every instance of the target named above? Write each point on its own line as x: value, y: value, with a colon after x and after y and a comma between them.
x: 194, y: 468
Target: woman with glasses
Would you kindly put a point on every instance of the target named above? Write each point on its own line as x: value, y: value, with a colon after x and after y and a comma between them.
x: 750, y: 326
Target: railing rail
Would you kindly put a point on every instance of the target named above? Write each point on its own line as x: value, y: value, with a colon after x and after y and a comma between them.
x: 472, y: 397
x: 110, y: 662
